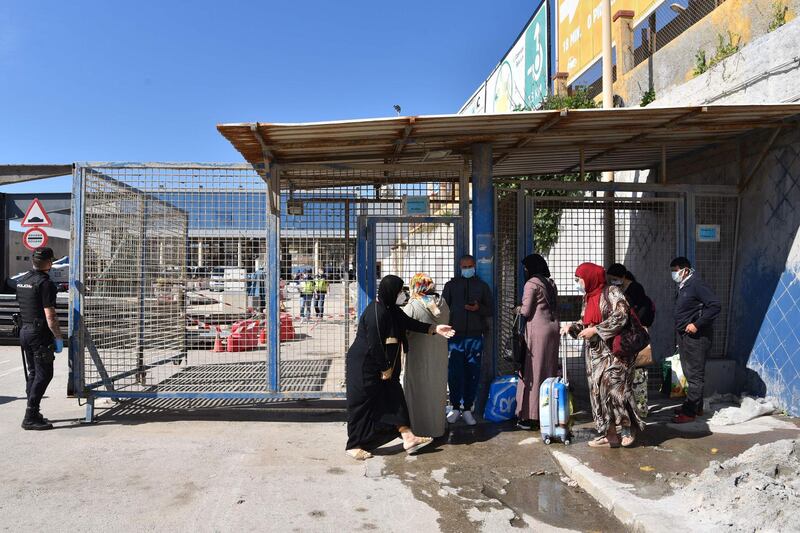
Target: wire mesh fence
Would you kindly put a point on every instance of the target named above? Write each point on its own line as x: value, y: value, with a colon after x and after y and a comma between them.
x: 640, y: 232
x: 338, y: 242
x: 507, y: 276
x: 176, y: 273
x: 165, y: 257
x: 175, y: 267
x: 666, y: 23
x: 714, y: 256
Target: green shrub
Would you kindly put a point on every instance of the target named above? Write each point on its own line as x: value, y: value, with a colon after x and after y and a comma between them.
x: 779, y: 10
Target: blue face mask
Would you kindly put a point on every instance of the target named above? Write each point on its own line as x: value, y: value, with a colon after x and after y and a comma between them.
x: 467, y: 272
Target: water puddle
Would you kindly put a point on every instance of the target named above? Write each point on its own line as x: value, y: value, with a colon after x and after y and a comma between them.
x: 548, y: 499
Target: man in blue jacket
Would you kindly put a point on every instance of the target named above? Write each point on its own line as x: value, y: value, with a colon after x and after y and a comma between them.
x: 470, y: 302
x: 696, y: 308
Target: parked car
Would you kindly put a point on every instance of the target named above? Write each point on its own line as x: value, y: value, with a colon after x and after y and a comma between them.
x: 59, y: 274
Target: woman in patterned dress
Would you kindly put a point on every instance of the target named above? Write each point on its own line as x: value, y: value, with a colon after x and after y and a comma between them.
x: 605, y: 314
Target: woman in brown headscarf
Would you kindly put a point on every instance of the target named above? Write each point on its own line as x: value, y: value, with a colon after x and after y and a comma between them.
x: 605, y: 314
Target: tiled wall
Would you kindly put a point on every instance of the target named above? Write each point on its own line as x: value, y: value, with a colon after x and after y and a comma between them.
x: 776, y: 354
x: 769, y: 303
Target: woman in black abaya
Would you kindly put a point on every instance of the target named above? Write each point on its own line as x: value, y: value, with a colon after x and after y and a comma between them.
x: 376, y: 404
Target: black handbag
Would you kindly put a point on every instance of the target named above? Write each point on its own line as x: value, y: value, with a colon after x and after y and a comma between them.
x: 514, y: 347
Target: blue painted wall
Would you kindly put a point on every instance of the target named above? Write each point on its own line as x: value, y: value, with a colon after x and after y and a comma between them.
x: 765, y: 311
x: 776, y: 354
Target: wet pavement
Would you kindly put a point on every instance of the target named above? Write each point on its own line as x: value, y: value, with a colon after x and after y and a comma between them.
x: 667, y: 455
x: 493, y: 477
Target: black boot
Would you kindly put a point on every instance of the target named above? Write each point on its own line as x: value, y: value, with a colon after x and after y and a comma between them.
x: 34, y: 420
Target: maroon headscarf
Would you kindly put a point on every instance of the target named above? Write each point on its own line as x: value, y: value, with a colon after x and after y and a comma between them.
x: 594, y: 279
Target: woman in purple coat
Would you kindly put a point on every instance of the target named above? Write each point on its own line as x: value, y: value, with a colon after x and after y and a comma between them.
x: 539, y: 310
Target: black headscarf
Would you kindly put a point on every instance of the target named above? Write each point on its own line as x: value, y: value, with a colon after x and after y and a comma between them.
x: 386, y: 308
x: 388, y: 290
x: 536, y: 265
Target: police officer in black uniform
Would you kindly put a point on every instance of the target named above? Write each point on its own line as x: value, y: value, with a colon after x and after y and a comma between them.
x: 40, y: 335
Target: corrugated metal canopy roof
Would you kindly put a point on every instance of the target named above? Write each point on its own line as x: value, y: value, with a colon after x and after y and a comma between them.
x: 528, y: 143
x: 21, y: 173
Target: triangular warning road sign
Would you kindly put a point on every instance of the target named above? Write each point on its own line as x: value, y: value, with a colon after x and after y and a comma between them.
x: 36, y: 215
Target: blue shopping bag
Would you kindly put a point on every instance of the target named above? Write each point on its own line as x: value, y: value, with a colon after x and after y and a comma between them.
x: 502, y: 402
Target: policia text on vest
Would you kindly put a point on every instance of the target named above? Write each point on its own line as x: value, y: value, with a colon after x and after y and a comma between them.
x: 40, y: 335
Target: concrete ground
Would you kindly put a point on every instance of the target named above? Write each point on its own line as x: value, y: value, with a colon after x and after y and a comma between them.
x: 208, y: 466
x: 192, y: 467
x: 636, y: 483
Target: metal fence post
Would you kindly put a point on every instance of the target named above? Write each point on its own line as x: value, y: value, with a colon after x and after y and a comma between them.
x: 273, y: 316
x: 142, y: 256
x: 76, y: 283
x: 483, y: 224
x: 361, y: 265
x: 691, y: 227
x: 346, y: 275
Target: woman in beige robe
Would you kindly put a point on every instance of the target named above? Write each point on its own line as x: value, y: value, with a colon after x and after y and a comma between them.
x: 425, y: 380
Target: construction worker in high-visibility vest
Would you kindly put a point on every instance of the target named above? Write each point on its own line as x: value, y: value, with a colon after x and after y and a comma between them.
x: 306, y: 294
x: 320, y: 292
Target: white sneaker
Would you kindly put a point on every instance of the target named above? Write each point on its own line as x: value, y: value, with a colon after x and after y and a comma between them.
x: 468, y: 418
x: 453, y: 416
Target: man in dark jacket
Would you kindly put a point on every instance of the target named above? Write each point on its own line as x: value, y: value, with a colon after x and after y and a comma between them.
x: 470, y: 303
x: 696, y: 308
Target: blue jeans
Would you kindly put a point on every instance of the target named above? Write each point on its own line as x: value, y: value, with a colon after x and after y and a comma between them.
x: 305, y: 305
x: 319, y: 303
x: 464, y: 370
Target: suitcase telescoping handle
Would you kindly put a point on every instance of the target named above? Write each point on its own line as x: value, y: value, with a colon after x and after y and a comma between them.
x: 564, y: 364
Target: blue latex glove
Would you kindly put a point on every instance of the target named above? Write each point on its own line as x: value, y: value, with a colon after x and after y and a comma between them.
x: 59, y: 345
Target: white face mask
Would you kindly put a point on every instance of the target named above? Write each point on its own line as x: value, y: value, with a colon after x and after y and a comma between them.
x: 677, y: 277
x: 401, y: 298
x: 579, y: 288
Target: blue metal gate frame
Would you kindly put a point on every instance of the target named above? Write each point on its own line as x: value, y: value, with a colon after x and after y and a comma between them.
x: 366, y: 251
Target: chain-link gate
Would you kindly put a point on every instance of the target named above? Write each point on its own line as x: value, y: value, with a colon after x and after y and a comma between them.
x: 165, y: 281
x: 173, y: 273
x: 337, y: 242
x: 643, y: 231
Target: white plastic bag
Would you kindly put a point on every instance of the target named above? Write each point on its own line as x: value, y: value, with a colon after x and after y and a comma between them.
x: 679, y: 384
x: 751, y: 408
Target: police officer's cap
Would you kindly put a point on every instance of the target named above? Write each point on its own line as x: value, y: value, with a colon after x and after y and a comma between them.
x: 43, y: 254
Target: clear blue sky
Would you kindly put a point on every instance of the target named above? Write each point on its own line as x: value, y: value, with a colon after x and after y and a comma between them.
x: 148, y: 80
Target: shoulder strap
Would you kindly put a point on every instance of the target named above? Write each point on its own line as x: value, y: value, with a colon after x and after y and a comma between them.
x: 378, y: 325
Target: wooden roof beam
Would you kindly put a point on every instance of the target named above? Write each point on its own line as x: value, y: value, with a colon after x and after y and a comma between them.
x: 399, y: 147
x: 639, y: 136
x: 265, y: 150
x: 549, y: 123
